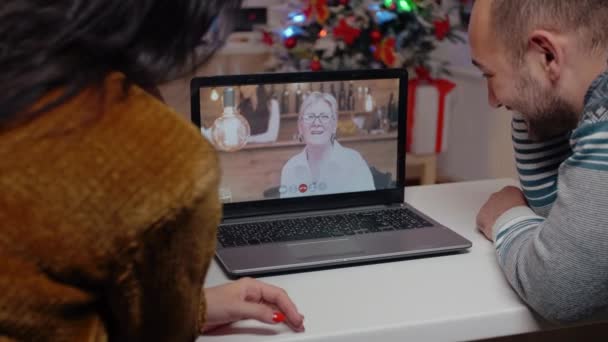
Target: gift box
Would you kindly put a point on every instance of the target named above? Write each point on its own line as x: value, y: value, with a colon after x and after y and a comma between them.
x: 428, y: 112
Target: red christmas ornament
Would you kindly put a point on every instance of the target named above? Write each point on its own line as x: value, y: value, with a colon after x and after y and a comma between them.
x: 423, y: 73
x: 385, y: 51
x: 317, y: 9
x: 290, y: 42
x: 376, y: 36
x: 442, y: 28
x: 343, y: 2
x: 267, y: 38
x: 315, y: 65
x: 345, y: 32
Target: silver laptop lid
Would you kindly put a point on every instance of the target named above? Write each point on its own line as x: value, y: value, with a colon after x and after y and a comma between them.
x: 305, y: 141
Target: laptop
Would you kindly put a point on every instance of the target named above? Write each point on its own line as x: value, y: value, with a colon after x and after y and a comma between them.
x: 313, y: 171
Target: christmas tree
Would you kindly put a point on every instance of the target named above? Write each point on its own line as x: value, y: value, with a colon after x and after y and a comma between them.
x: 360, y: 34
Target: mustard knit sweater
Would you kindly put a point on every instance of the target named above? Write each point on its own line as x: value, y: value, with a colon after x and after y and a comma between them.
x: 108, y: 212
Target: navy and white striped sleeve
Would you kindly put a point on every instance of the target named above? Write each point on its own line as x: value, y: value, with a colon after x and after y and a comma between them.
x: 537, y: 165
x: 559, y: 263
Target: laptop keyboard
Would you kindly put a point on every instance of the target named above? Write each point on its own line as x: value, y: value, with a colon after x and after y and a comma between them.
x: 319, y: 227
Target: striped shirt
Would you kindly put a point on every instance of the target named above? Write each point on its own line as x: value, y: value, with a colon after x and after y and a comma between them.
x: 554, y: 253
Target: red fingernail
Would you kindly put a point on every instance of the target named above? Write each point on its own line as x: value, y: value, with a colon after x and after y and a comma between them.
x: 278, y: 317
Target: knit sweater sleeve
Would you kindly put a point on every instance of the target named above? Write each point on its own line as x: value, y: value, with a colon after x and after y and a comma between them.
x: 537, y: 165
x: 558, y: 263
x: 158, y: 294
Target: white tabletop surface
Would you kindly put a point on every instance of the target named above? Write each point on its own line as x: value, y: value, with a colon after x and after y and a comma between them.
x: 445, y: 298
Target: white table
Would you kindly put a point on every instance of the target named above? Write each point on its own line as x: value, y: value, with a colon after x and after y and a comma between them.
x: 446, y: 298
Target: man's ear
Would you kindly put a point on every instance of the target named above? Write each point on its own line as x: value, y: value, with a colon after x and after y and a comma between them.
x: 548, y: 51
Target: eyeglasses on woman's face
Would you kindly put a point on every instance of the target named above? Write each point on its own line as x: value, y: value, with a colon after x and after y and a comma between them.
x: 311, y: 117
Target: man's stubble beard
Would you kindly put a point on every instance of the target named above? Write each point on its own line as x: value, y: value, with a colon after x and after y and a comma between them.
x: 546, y: 114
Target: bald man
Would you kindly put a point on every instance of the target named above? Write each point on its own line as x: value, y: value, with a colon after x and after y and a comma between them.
x: 547, y: 61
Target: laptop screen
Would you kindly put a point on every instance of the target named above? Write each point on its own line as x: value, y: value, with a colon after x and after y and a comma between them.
x: 287, y: 140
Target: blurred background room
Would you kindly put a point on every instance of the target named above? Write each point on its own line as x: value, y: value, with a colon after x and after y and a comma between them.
x: 455, y: 134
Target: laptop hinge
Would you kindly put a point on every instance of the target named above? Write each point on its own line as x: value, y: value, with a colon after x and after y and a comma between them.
x: 302, y: 214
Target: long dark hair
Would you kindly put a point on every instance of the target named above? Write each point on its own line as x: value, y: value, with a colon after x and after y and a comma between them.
x: 258, y: 117
x: 73, y: 44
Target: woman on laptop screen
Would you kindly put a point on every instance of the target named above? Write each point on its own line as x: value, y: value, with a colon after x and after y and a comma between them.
x: 324, y: 166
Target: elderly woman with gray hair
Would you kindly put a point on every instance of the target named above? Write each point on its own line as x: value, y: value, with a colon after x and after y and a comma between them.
x: 324, y: 166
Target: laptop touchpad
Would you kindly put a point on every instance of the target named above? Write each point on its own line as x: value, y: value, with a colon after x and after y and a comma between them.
x: 325, y: 249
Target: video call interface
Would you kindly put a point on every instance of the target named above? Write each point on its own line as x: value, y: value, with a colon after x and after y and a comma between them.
x: 288, y: 140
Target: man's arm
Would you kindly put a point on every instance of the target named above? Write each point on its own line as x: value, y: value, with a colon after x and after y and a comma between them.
x: 537, y: 165
x: 559, y: 264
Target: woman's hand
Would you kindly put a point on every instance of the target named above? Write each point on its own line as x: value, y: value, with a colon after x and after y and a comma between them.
x: 250, y: 299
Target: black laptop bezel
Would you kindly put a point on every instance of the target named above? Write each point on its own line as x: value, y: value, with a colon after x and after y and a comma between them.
x: 323, y: 202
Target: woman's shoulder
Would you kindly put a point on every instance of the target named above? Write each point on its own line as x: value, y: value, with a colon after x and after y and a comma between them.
x: 159, y: 133
x: 126, y: 144
x: 295, y: 160
x: 348, y: 152
x: 105, y: 168
x: 171, y: 147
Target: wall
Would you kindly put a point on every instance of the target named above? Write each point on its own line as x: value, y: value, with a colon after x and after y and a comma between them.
x: 479, y: 136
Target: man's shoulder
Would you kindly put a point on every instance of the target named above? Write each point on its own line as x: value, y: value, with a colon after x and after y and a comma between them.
x: 596, y: 101
x: 596, y: 113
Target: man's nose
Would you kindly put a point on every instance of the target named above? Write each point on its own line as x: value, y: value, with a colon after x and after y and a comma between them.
x: 492, y: 99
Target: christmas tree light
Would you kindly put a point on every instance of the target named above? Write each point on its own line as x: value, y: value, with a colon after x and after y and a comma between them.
x: 353, y: 34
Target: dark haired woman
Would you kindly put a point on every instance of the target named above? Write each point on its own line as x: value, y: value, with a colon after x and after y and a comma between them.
x: 109, y: 200
x: 262, y: 113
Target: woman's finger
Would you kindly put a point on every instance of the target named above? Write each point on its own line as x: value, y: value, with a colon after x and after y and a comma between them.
x: 278, y: 297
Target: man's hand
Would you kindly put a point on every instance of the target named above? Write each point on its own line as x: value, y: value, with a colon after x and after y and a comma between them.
x: 248, y: 298
x: 499, y: 203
